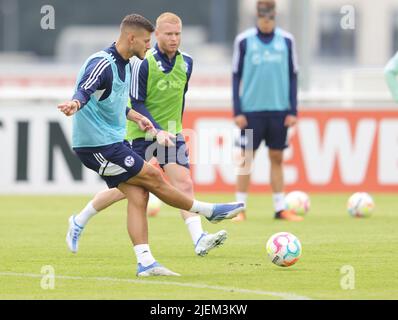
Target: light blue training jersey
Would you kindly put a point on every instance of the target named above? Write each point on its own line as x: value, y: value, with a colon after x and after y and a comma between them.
x: 101, y: 123
x: 265, y: 76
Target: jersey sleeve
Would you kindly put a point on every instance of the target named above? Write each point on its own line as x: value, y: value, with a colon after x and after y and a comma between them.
x: 293, y: 70
x: 237, y: 65
x: 139, y: 79
x: 97, y: 76
x: 189, y: 62
x: 138, y: 89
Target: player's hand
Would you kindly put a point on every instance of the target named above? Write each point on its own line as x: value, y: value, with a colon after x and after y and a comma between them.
x: 290, y: 121
x: 146, y: 125
x: 165, y: 138
x: 241, y: 121
x: 69, y: 108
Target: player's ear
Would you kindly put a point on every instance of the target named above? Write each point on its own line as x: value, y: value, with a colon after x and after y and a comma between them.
x: 131, y: 37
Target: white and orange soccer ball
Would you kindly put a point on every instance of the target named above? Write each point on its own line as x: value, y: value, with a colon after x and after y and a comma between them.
x: 360, y: 205
x: 284, y: 249
x: 298, y: 201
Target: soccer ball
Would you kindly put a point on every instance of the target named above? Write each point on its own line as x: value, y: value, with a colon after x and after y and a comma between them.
x: 298, y: 201
x: 284, y: 249
x: 360, y: 204
x: 154, y: 204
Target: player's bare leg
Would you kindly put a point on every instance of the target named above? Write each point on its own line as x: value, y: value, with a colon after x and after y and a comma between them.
x: 137, y: 226
x: 101, y: 201
x: 106, y: 198
x: 154, y: 203
x: 180, y: 177
x: 277, y: 185
x: 244, y: 160
x: 276, y: 170
x: 151, y: 179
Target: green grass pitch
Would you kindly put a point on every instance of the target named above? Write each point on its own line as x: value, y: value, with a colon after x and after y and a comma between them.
x: 32, y: 235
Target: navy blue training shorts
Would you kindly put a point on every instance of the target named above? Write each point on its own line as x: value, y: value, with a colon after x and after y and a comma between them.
x: 164, y: 155
x: 115, y: 163
x: 272, y: 129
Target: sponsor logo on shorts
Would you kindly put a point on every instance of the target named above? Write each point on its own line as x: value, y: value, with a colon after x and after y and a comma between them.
x: 129, y: 161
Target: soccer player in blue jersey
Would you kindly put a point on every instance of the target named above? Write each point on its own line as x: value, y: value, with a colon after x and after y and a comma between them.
x: 265, y: 100
x: 99, y: 127
x: 391, y: 74
x: 164, y: 106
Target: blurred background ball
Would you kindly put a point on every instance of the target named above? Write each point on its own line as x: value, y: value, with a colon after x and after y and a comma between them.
x: 360, y: 205
x: 298, y: 201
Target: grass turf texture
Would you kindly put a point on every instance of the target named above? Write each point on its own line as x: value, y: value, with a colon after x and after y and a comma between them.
x: 32, y: 235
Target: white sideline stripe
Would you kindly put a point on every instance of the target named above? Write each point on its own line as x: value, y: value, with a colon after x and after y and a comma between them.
x: 283, y: 295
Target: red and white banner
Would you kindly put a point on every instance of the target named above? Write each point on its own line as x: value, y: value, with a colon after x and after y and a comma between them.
x: 329, y: 151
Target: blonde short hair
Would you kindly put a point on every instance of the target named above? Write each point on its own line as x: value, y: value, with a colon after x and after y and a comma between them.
x: 168, y: 17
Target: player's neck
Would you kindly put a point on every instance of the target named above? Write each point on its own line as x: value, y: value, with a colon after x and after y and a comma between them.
x: 122, y: 50
x: 169, y: 55
x: 266, y: 29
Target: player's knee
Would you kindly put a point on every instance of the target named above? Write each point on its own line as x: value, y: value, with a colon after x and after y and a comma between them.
x: 244, y: 159
x: 137, y: 197
x: 276, y: 157
x: 154, y: 177
x: 184, y: 184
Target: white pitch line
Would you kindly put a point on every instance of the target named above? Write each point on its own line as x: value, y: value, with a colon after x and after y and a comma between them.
x: 283, y: 295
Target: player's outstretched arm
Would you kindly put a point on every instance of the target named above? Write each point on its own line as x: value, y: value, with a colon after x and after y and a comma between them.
x: 69, y: 107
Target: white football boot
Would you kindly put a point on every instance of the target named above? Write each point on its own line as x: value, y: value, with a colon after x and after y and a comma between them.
x: 73, y: 235
x: 207, y: 242
x: 155, y: 269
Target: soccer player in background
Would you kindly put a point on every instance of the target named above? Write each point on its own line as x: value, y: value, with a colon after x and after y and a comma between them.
x: 99, y: 106
x: 391, y: 74
x: 158, y: 89
x: 265, y: 100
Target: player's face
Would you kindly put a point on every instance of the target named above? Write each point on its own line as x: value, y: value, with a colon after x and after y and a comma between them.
x: 140, y: 43
x: 266, y: 15
x: 168, y: 36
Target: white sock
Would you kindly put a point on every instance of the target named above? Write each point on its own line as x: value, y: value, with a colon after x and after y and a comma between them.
x: 202, y: 208
x: 241, y: 197
x: 194, y: 225
x: 86, y: 214
x: 279, y: 201
x: 143, y: 254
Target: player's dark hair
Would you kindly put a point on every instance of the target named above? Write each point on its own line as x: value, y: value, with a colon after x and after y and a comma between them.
x: 137, y: 21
